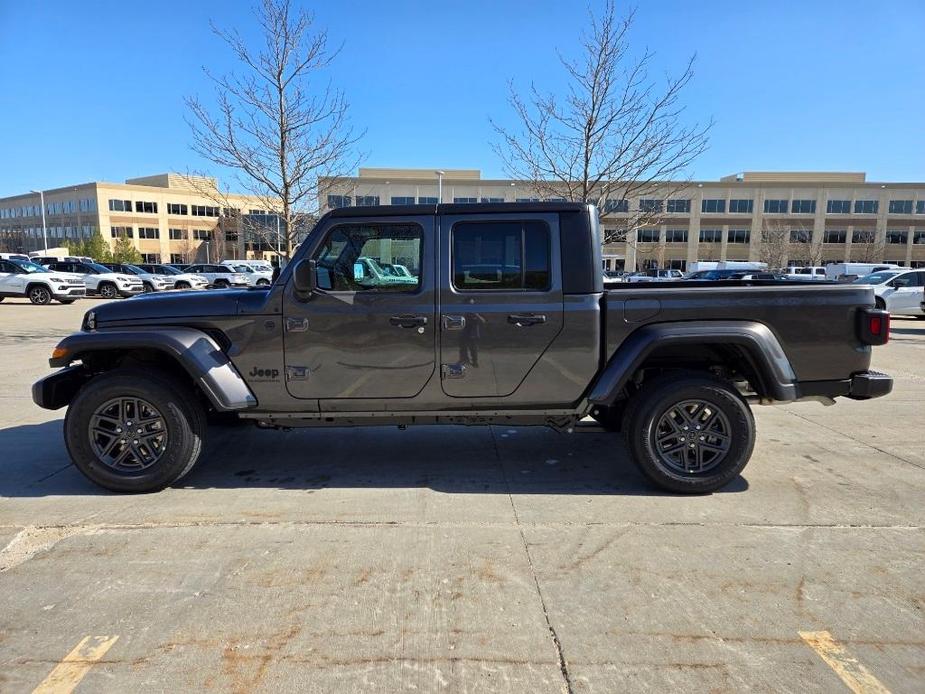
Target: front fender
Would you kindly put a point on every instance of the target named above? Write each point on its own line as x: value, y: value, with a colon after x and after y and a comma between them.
x: 755, y: 337
x: 195, y: 351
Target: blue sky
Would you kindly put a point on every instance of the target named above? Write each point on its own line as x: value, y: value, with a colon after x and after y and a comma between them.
x: 94, y: 90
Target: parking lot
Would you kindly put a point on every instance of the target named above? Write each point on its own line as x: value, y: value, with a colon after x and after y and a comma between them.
x: 466, y: 559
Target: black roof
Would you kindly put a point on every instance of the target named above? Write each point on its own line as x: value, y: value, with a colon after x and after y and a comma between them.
x: 456, y: 208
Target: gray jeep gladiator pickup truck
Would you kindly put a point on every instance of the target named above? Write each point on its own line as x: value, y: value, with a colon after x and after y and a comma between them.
x: 459, y: 314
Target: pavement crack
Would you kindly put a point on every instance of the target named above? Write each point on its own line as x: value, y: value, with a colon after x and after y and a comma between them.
x: 31, y: 540
x: 560, y: 656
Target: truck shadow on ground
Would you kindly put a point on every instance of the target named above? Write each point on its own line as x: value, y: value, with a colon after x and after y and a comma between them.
x: 459, y: 460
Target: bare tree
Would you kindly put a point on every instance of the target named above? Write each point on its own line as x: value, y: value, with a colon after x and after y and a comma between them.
x: 615, y: 134
x: 276, y: 123
x: 866, y: 247
x: 782, y: 243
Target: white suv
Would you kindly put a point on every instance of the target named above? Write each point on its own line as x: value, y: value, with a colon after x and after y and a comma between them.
x: 101, y: 280
x: 898, y: 291
x: 255, y: 277
x: 39, y: 284
x: 219, y: 276
x: 178, y: 278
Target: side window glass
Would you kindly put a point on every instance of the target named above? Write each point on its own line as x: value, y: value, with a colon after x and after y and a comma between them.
x: 371, y: 257
x: 501, y: 256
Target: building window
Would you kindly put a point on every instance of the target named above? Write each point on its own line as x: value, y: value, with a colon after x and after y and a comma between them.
x: 678, y: 206
x: 676, y: 264
x: 337, y: 201
x: 711, y: 236
x: 150, y: 257
x: 465, y: 201
x: 427, y: 200
x: 120, y: 205
x: 742, y: 206
x: 614, y: 235
x: 918, y: 237
x: 866, y: 206
x: 835, y: 236
x: 647, y: 235
x: 803, y: 207
x: 149, y: 233
x: 367, y: 200
x: 177, y: 259
x: 526, y: 200
x: 714, y: 206
x: 775, y: 206
x: 203, y: 211
x: 739, y: 236
x: 176, y: 208
x: 145, y: 207
x: 492, y: 199
x: 838, y: 207
x: 900, y: 207
x: 177, y: 234
x: 650, y: 205
x: 119, y: 232
x: 614, y: 206
x: 676, y: 236
x: 501, y: 255
x: 861, y: 236
x: 201, y: 234
x: 920, y: 207
x: 402, y: 200
x: 800, y: 236
x: 894, y: 236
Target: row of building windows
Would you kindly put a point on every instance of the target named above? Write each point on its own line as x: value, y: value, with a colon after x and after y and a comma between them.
x: 155, y: 233
x: 146, y: 207
x: 51, y: 208
x: 744, y: 236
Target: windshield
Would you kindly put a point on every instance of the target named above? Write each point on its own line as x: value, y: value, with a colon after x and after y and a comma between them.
x: 166, y: 270
x: 135, y: 270
x: 876, y: 278
x: 98, y: 268
x: 30, y: 267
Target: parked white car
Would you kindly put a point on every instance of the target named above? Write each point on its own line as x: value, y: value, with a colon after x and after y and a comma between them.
x: 177, y: 278
x: 38, y: 283
x: 101, y: 280
x: 150, y: 283
x: 255, y: 277
x: 219, y: 276
x: 848, y: 272
x: 898, y: 291
x: 808, y: 272
x: 656, y: 275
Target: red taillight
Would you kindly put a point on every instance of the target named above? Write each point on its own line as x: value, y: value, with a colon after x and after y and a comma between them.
x: 873, y: 326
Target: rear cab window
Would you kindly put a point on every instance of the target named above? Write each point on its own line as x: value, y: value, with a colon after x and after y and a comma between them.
x: 501, y: 256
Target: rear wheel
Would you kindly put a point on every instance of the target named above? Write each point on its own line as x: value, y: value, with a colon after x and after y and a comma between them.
x: 221, y: 284
x: 690, y: 434
x: 108, y: 290
x: 263, y: 283
x: 39, y: 295
x: 147, y: 288
x: 134, y: 430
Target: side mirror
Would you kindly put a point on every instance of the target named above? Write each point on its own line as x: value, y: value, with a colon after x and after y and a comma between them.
x: 305, y: 278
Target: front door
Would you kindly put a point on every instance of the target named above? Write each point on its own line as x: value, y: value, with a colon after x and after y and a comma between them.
x: 368, y: 331
x: 905, y: 296
x: 501, y: 300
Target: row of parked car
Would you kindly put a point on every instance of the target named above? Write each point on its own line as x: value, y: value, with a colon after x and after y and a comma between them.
x: 43, y: 279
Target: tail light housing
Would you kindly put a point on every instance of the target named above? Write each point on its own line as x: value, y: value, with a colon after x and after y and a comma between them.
x: 873, y: 326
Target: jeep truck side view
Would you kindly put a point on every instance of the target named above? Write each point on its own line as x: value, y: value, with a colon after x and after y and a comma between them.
x: 502, y: 318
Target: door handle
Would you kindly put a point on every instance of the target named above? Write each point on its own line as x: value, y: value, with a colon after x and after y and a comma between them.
x: 296, y: 325
x: 408, y: 321
x: 454, y: 322
x: 522, y: 320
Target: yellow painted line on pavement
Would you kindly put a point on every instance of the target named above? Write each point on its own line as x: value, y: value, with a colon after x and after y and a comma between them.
x: 75, y: 666
x: 855, y: 676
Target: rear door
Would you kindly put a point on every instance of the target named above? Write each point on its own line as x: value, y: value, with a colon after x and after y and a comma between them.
x: 10, y: 278
x: 500, y: 300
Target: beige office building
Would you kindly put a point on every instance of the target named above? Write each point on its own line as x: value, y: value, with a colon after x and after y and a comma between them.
x: 782, y: 217
x: 168, y: 217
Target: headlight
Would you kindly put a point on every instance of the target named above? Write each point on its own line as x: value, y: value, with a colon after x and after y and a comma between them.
x: 57, y: 279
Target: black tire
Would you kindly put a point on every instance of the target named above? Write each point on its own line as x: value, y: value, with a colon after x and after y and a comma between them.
x: 39, y: 295
x: 655, y: 432
x: 879, y: 303
x: 263, y: 283
x: 2, y: 298
x: 182, y: 419
x: 108, y: 290
x: 221, y: 284
x: 67, y: 301
x: 182, y: 285
x: 146, y: 288
x: 922, y: 317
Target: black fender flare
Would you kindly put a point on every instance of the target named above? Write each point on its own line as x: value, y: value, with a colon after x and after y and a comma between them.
x: 761, y: 344
x: 194, y: 350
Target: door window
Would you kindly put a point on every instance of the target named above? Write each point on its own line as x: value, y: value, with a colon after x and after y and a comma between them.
x: 371, y: 257
x: 501, y: 256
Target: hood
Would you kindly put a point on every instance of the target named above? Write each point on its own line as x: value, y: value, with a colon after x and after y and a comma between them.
x: 176, y: 304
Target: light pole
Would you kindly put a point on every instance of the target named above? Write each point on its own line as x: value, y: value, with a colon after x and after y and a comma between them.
x: 44, y: 229
x: 440, y: 175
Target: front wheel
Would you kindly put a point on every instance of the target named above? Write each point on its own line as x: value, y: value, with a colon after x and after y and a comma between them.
x: 134, y: 430
x: 40, y: 295
x: 263, y: 283
x: 690, y: 434
x: 221, y: 284
x: 108, y: 291
x: 182, y: 285
x: 147, y: 288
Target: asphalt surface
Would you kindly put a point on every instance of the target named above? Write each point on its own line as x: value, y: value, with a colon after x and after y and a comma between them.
x: 466, y: 559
